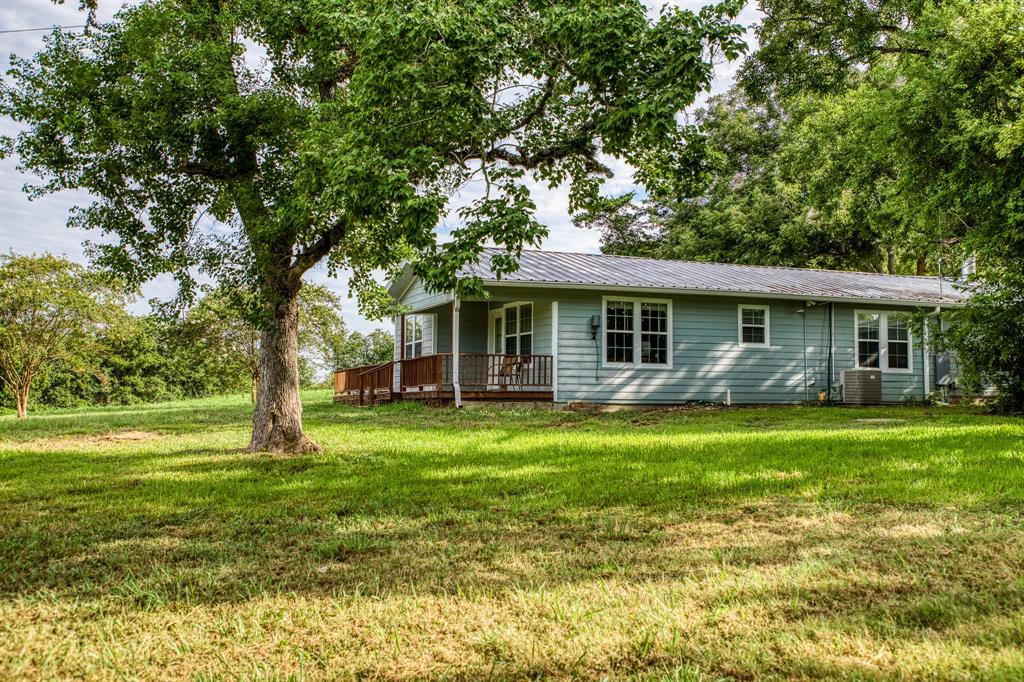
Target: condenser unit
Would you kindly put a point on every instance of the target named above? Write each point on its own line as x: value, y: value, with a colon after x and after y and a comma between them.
x: 862, y: 386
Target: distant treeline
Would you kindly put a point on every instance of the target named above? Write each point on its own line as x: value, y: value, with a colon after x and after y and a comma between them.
x: 67, y: 339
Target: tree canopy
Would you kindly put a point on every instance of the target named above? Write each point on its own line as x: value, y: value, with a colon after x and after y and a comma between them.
x: 51, y: 311
x: 340, y: 131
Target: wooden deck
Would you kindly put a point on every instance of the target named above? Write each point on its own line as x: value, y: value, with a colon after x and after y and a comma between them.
x: 481, y: 376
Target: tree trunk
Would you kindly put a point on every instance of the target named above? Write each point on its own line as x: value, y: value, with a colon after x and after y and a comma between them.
x: 922, y: 266
x: 890, y: 260
x: 277, y: 420
x: 252, y: 390
x: 21, y: 400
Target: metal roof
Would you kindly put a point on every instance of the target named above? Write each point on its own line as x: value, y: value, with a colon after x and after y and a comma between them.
x: 627, y: 272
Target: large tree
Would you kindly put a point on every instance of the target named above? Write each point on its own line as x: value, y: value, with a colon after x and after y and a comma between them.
x: 51, y: 311
x: 222, y: 324
x: 917, y: 119
x: 340, y: 131
x: 764, y: 194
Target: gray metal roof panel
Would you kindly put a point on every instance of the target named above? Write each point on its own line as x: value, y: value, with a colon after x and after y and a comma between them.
x: 553, y: 267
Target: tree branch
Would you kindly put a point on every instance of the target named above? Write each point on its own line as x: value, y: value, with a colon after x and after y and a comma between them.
x: 317, y: 251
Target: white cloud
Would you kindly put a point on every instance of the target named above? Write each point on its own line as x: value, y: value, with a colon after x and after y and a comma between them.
x: 33, y: 227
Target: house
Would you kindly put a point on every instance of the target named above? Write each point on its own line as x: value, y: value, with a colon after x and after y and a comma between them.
x: 615, y: 329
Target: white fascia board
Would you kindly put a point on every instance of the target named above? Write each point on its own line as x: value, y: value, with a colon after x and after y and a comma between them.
x: 714, y: 292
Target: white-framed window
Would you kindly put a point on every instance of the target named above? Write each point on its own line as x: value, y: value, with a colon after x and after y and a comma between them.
x: 753, y: 322
x: 418, y: 335
x: 883, y: 341
x: 637, y: 331
x: 512, y: 329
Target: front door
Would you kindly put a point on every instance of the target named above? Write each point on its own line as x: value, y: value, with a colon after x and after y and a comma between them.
x: 496, y: 341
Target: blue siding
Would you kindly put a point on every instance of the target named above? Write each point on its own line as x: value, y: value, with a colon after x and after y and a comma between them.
x: 473, y: 321
x: 417, y: 298
x: 707, y: 359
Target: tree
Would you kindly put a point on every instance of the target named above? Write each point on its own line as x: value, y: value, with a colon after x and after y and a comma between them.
x: 987, y: 337
x: 340, y: 131
x: 361, y: 350
x: 928, y: 124
x: 818, y: 46
x: 764, y: 196
x: 51, y: 311
x: 219, y: 324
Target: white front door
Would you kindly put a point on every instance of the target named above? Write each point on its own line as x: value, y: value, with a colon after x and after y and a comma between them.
x: 496, y: 335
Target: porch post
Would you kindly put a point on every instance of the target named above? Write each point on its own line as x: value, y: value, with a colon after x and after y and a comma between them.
x: 400, y: 354
x: 455, y: 352
x: 554, y: 351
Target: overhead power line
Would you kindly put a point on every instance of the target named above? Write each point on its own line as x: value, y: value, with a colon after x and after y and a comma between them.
x: 41, y: 28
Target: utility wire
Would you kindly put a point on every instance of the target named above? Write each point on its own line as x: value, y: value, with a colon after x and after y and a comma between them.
x: 41, y: 28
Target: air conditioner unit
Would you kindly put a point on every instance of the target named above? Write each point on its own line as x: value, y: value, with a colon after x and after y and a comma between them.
x: 861, y: 386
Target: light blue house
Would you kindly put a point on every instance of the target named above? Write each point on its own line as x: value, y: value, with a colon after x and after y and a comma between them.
x: 612, y: 329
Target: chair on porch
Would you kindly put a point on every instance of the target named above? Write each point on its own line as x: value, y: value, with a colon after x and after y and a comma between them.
x: 510, y: 372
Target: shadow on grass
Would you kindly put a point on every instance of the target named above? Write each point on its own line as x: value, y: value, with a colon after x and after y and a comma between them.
x: 498, y: 507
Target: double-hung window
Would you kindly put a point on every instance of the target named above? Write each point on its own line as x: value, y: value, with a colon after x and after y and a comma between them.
x: 637, y: 332
x: 883, y: 341
x: 753, y: 325
x: 416, y: 343
x: 519, y: 329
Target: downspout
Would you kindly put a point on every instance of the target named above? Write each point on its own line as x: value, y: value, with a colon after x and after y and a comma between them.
x: 926, y: 355
x: 456, y: 388
x: 831, y: 349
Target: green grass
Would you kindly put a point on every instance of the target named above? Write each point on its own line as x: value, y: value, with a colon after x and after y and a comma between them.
x: 749, y: 544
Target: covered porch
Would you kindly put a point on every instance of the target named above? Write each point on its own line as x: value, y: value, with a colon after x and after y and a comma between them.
x: 461, y: 351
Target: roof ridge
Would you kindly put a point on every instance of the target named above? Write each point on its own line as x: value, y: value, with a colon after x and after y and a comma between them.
x: 738, y: 265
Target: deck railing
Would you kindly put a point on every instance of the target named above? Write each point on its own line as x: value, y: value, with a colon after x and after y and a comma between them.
x: 365, y: 384
x: 479, y: 371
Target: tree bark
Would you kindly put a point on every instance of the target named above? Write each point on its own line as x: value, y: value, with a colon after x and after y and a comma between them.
x: 277, y: 419
x: 252, y: 390
x: 21, y: 401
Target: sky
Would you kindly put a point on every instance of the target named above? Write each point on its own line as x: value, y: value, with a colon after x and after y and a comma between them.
x: 40, y: 225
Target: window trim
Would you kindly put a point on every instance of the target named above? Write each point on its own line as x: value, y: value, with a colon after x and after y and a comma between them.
x: 883, y: 341
x: 740, y: 307
x: 637, y: 333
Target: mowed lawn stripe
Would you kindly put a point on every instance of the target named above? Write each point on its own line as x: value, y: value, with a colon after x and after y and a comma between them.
x: 791, y: 542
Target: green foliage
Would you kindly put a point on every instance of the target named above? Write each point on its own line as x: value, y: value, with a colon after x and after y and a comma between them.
x: 816, y: 46
x: 766, y: 198
x: 51, y: 311
x: 360, y: 350
x: 349, y: 140
x: 926, y: 143
x: 988, y: 339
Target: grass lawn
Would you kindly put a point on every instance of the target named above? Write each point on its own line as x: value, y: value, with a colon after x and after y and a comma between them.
x: 749, y: 544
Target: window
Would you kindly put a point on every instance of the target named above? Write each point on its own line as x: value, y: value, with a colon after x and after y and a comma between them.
x: 649, y: 345
x: 753, y: 323
x: 654, y: 333
x: 883, y: 341
x: 898, y: 342
x: 417, y: 335
x: 518, y: 330
x: 619, y: 347
x: 869, y: 348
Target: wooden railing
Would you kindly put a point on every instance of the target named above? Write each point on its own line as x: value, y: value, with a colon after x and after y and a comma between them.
x: 375, y: 382
x: 481, y: 371
x: 367, y: 384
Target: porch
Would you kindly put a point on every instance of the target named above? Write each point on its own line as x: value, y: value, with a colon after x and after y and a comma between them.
x: 449, y: 377
x: 461, y: 351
